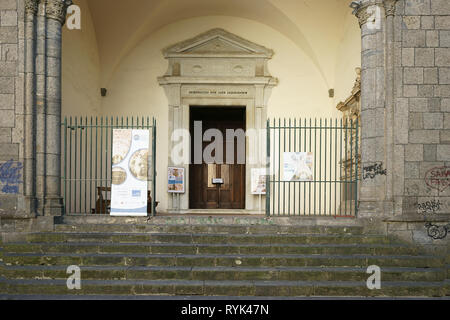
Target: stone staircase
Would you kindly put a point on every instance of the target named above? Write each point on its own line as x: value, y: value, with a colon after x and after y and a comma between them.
x: 235, y: 260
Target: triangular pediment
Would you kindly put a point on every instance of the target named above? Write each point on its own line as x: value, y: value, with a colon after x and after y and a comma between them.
x: 217, y: 42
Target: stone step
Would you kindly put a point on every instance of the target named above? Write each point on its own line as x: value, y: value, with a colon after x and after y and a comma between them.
x: 188, y: 248
x: 224, y: 273
x: 224, y: 260
x: 221, y: 229
x: 206, y: 238
x: 223, y: 288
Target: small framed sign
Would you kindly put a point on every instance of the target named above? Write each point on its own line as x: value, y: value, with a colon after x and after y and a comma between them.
x: 217, y: 181
x: 175, y: 180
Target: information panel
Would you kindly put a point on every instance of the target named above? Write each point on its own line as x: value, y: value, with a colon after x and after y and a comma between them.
x: 298, y: 166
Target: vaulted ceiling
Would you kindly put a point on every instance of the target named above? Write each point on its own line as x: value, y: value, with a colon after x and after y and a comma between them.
x: 121, y: 24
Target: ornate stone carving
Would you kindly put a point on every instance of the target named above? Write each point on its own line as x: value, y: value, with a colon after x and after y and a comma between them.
x: 363, y: 13
x: 351, y: 113
x: 389, y: 6
x: 369, y: 11
x: 31, y: 7
x: 57, y: 9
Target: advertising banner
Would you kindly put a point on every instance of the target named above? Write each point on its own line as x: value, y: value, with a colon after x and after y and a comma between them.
x: 129, y: 172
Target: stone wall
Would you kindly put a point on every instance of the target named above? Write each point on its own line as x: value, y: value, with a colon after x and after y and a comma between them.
x: 11, y: 108
x: 30, y: 108
x: 422, y: 122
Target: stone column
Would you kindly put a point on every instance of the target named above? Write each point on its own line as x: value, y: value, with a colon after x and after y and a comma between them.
x: 55, y: 13
x: 376, y: 112
x: 29, y: 162
x: 39, y: 100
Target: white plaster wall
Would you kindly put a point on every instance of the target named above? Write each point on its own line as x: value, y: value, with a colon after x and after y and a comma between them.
x: 80, y: 67
x: 348, y: 58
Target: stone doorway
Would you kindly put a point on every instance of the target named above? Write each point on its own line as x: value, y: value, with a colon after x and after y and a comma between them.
x: 218, y: 68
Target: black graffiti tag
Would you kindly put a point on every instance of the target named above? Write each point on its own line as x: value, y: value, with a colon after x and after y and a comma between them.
x: 370, y: 172
x: 429, y: 206
x: 437, y: 232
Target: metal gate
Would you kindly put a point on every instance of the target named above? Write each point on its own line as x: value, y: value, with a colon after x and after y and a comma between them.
x: 87, y: 165
x: 326, y: 151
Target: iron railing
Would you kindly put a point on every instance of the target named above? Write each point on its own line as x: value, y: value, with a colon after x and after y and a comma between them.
x: 332, y: 189
x: 86, y: 168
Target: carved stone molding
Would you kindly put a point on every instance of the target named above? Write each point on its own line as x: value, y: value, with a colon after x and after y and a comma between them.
x: 31, y: 7
x: 366, y: 11
x: 57, y: 9
x: 389, y: 7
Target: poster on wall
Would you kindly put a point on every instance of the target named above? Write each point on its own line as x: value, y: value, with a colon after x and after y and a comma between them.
x: 175, y: 180
x: 258, y: 176
x: 129, y: 172
x: 297, y: 166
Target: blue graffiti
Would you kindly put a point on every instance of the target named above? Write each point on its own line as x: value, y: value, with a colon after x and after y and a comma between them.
x: 10, y: 175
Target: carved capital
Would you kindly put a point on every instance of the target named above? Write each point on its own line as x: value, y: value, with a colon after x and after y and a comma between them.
x: 389, y: 7
x: 31, y: 7
x: 57, y: 9
x: 363, y: 13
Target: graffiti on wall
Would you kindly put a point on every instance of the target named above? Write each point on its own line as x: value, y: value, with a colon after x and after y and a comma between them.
x: 10, y: 175
x: 438, y: 178
x: 437, y: 232
x: 370, y: 172
x: 428, y: 207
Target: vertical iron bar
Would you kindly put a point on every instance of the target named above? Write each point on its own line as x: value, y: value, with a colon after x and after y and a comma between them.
x: 101, y: 161
x: 340, y: 170
x: 309, y: 183
x: 107, y: 125
x: 274, y: 167
x: 279, y: 162
x: 75, y: 165
x: 70, y: 165
x: 331, y: 164
x: 345, y: 166
x: 90, y: 167
x: 295, y: 150
x: 85, y: 163
x: 356, y: 166
x: 284, y: 182
x: 154, y: 168
x: 80, y: 184
x: 65, y: 165
x: 289, y: 183
x: 325, y: 171
x: 351, y: 161
x: 315, y: 163
x: 268, y: 168
x: 335, y: 166
x: 320, y: 168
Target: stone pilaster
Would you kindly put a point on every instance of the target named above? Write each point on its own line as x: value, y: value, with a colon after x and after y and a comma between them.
x: 39, y: 108
x: 55, y: 13
x: 29, y: 161
x: 376, y: 111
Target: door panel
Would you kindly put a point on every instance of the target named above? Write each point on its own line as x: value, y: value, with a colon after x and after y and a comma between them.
x: 204, y: 194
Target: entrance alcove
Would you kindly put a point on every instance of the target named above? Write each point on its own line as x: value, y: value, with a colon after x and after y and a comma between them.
x: 125, y: 58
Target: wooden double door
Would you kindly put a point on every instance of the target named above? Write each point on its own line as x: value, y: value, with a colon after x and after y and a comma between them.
x: 218, y: 184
